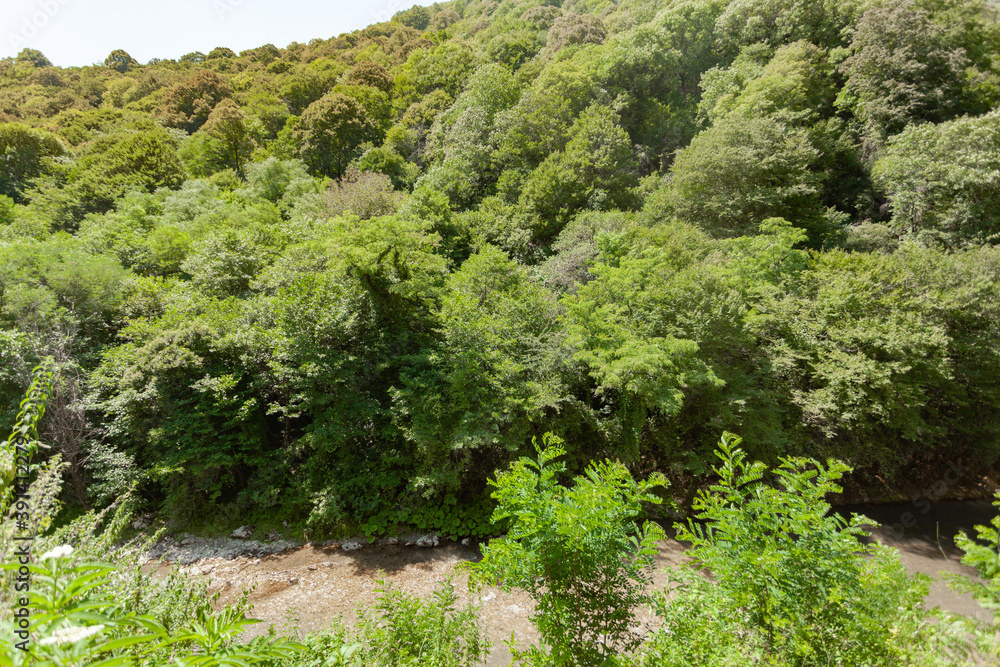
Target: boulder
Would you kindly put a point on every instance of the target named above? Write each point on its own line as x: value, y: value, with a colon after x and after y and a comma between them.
x: 243, y: 532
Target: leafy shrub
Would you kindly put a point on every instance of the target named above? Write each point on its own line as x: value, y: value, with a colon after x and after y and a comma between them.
x: 982, y: 553
x: 87, y: 612
x: 400, y: 631
x: 577, y: 551
x: 446, y: 517
x: 794, y: 577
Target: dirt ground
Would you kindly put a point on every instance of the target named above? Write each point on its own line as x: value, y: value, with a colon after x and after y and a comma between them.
x: 315, y: 584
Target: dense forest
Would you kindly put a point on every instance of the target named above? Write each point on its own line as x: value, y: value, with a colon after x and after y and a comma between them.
x: 343, y: 282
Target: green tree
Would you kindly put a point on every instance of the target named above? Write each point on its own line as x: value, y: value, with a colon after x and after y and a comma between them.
x: 807, y: 583
x: 597, y: 170
x: 416, y: 17
x: 902, y: 69
x: 330, y: 132
x: 494, y: 376
x: 742, y: 171
x: 981, y: 553
x: 943, y: 182
x: 25, y: 154
x: 120, y: 61
x: 443, y: 67
x: 572, y: 28
x: 373, y: 75
x: 32, y: 57
x: 778, y: 22
x: 230, y: 128
x: 143, y: 157
x: 188, y: 104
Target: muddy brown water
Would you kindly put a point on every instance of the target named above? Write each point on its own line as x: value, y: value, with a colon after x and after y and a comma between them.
x: 303, y: 589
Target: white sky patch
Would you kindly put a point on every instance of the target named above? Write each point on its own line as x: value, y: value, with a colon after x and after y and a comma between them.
x: 84, y: 32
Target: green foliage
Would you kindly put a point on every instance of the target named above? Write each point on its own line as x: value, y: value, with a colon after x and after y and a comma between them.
x: 366, y: 195
x: 983, y: 553
x: 404, y: 630
x: 449, y: 517
x: 493, y: 377
x: 800, y: 575
x: 701, y: 626
x: 25, y: 154
x: 941, y: 181
x: 902, y: 69
x: 188, y: 104
x: 329, y: 133
x: 742, y: 171
x: 596, y: 171
x: 577, y: 551
x: 401, y: 630
x: 22, y: 444
x: 7, y: 210
x: 120, y: 61
x: 356, y: 275
x: 86, y: 612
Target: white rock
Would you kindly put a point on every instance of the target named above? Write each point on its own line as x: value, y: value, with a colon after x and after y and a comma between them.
x: 466, y: 542
x: 428, y: 541
x: 351, y: 545
x: 293, y: 580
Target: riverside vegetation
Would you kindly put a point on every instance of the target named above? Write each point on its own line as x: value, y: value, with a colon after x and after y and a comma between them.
x: 344, y: 284
x: 792, y: 584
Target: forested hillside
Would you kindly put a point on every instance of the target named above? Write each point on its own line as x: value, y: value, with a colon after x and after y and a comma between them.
x: 343, y: 282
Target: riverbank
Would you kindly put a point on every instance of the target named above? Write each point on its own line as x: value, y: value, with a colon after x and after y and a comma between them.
x: 305, y: 587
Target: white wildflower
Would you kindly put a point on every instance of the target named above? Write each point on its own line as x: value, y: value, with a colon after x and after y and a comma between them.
x: 70, y: 635
x: 58, y: 552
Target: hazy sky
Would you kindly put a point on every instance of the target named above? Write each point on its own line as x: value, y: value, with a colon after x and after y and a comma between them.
x: 84, y: 32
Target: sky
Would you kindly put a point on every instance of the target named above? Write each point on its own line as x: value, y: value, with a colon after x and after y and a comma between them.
x: 84, y: 32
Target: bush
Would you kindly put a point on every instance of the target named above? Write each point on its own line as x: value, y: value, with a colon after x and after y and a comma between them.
x: 794, y: 577
x: 400, y: 631
x: 88, y: 612
x: 984, y: 555
x: 577, y: 551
